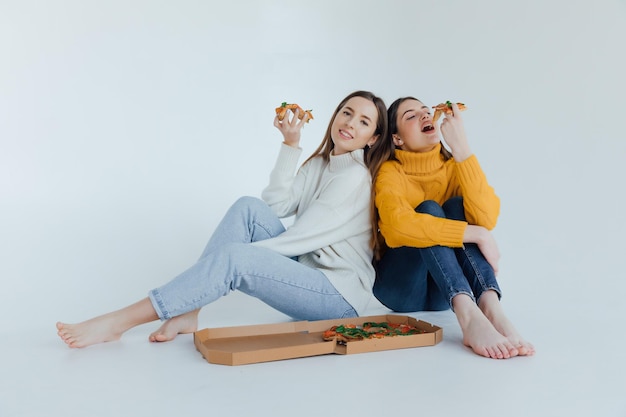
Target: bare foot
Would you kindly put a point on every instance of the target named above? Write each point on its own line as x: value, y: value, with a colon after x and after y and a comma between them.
x: 478, y: 332
x: 505, y: 327
x: 97, y: 330
x: 492, y: 309
x: 108, y: 327
x: 185, y: 323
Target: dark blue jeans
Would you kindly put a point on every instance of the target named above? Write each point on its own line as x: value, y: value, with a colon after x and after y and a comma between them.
x: 425, y: 279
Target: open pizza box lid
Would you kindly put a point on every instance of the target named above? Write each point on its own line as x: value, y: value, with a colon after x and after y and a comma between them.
x: 242, y: 345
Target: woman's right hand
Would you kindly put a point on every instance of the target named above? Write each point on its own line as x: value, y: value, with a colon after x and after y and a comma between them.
x: 453, y: 132
x: 486, y: 243
x: 291, y: 127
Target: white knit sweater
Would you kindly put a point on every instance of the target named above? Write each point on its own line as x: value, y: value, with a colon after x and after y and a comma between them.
x: 331, y: 230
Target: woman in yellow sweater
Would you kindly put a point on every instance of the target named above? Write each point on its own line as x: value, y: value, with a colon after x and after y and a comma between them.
x: 436, y: 210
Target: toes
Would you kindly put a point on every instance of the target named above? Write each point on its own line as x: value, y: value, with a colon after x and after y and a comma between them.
x: 499, y: 353
x: 502, y: 351
x: 511, y: 350
x: 526, y: 349
x: 160, y: 336
x: 63, y: 335
x: 479, y: 350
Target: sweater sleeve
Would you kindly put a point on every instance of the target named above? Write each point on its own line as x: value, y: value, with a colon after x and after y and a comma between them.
x: 329, y: 218
x: 400, y: 225
x: 284, y: 190
x: 482, y: 205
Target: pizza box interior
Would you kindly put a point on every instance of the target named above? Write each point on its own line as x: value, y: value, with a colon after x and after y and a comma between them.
x: 242, y: 345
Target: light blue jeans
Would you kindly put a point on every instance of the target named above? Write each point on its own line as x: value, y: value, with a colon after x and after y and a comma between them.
x: 230, y: 263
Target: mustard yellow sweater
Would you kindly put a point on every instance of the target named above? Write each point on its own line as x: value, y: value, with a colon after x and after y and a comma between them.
x: 402, y: 185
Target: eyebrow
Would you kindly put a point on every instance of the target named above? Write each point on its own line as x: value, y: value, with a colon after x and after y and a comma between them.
x: 412, y: 109
x: 352, y: 110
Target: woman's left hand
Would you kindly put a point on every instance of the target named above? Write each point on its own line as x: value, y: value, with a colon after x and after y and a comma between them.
x: 486, y: 243
x: 453, y: 132
x: 291, y: 127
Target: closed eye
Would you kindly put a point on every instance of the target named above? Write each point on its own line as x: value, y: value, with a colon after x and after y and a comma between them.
x: 410, y: 114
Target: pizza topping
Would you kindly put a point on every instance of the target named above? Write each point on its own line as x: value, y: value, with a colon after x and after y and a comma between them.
x: 369, y: 330
x: 282, y: 110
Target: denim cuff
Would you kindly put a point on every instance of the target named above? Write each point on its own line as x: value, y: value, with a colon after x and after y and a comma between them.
x: 158, y: 305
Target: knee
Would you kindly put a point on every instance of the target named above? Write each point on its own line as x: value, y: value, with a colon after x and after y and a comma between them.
x: 453, y: 208
x: 430, y: 207
x: 247, y: 203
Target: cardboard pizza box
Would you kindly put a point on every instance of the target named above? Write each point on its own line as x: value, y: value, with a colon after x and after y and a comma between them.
x: 242, y: 345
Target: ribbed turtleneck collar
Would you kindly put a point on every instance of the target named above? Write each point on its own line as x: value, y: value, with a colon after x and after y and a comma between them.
x: 420, y: 162
x: 338, y: 162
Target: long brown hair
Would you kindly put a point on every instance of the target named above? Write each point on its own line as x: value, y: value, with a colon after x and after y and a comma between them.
x: 374, y: 156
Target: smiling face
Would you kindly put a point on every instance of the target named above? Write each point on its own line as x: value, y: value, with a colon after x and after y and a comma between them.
x: 354, y: 126
x: 416, y: 130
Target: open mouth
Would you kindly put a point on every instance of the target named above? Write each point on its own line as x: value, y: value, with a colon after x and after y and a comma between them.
x: 428, y: 128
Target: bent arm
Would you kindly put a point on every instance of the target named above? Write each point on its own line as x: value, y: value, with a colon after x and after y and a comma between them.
x: 400, y: 225
x: 340, y: 211
x: 284, y: 190
x: 481, y: 204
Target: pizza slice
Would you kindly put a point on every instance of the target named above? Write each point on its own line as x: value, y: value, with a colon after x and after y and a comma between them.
x: 446, y: 108
x: 282, y: 110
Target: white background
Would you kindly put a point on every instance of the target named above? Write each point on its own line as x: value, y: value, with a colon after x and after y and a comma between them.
x: 128, y: 127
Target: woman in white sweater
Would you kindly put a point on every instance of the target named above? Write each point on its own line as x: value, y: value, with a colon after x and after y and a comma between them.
x: 319, y: 268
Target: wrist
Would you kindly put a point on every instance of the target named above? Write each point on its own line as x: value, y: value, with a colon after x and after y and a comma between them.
x: 461, y: 154
x: 292, y: 144
x: 474, y: 234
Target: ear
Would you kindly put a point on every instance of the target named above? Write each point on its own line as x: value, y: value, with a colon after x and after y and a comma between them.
x: 373, y: 140
x: 396, y: 140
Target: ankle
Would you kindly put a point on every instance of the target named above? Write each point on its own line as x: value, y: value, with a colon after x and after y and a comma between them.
x: 489, y: 303
x: 465, y: 309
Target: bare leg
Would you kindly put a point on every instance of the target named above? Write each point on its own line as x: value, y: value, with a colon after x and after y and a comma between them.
x: 185, y: 323
x: 108, y: 327
x: 491, y: 307
x: 479, y: 333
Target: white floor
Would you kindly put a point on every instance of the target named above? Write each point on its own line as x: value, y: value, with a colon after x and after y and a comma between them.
x: 578, y: 371
x: 110, y: 113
